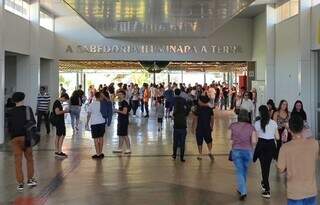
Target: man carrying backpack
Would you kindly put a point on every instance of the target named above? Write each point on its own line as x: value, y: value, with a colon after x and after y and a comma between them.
x: 17, y: 120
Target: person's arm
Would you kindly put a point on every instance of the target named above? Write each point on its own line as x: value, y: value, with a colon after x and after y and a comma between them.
x: 277, y: 136
x: 124, y: 111
x: 32, y: 118
x: 275, y: 116
x: 281, y: 163
x: 254, y: 138
x: 212, y: 121
x: 230, y: 136
x: 60, y: 112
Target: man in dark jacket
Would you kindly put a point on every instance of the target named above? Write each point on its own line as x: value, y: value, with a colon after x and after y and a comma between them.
x: 180, y: 113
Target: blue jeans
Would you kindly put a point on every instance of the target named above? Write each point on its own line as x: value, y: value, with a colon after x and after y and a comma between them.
x: 306, y: 201
x: 75, y: 115
x: 242, y: 160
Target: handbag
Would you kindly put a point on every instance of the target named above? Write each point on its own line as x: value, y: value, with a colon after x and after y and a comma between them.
x: 32, y: 135
x: 230, y: 156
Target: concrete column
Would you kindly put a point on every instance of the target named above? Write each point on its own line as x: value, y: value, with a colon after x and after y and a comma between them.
x: 270, y: 83
x: 54, y: 79
x: 2, y: 75
x: 306, y: 68
x: 28, y: 67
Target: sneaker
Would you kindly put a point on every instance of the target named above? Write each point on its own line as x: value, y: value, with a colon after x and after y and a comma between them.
x: 266, y: 194
x: 128, y: 151
x: 242, y: 197
x: 101, y: 156
x: 63, y: 154
x: 32, y: 182
x: 20, y: 187
x: 182, y: 160
x: 147, y: 116
x: 117, y: 151
x: 95, y: 157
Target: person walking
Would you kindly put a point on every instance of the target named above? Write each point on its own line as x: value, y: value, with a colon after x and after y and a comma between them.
x: 203, y: 121
x: 180, y: 113
x: 282, y: 116
x: 298, y: 159
x: 42, y: 112
x: 106, y: 108
x: 146, y: 98
x: 246, y: 104
x: 123, y: 123
x: 62, y: 90
x: 266, y: 148
x: 75, y: 109
x: 243, y: 139
x: 169, y: 98
x: 141, y: 95
x: 58, y: 113
x: 97, y: 125
x: 135, y: 100
x: 17, y: 119
x: 160, y: 113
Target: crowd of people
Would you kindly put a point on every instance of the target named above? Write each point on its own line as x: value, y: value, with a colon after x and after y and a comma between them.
x: 269, y: 134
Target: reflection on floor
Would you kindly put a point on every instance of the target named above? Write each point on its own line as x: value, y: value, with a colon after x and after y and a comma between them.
x: 149, y: 176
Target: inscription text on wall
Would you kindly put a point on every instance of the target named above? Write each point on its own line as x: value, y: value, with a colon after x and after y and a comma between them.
x: 146, y: 49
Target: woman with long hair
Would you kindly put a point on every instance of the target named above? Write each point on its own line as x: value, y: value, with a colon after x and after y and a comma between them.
x: 265, y: 151
x: 282, y: 116
x: 243, y: 138
x: 298, y: 110
x: 75, y: 109
x: 271, y: 107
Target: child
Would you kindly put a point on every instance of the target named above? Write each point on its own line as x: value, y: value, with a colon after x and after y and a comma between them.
x: 160, y: 113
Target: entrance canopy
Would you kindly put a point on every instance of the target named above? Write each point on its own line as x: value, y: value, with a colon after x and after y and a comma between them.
x: 135, y: 65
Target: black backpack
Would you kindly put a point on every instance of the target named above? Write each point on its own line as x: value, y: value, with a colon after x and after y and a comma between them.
x: 32, y: 135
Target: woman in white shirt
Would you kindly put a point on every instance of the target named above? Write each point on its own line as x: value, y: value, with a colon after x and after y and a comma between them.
x: 247, y: 105
x: 267, y: 131
x: 98, y: 125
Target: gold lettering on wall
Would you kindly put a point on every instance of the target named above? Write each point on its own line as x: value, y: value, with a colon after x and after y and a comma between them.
x: 146, y: 49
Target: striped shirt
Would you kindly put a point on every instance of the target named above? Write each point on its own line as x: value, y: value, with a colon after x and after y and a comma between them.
x: 43, y: 102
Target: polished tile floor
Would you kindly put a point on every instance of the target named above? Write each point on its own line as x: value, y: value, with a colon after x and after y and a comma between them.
x: 149, y: 176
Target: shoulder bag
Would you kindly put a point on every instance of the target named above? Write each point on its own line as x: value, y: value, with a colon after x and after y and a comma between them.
x: 32, y: 137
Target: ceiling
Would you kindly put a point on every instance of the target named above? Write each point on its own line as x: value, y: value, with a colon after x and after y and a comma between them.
x: 69, y: 66
x: 157, y: 18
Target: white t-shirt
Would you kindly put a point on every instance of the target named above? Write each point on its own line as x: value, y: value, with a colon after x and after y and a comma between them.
x: 247, y: 105
x: 96, y: 116
x: 271, y: 130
